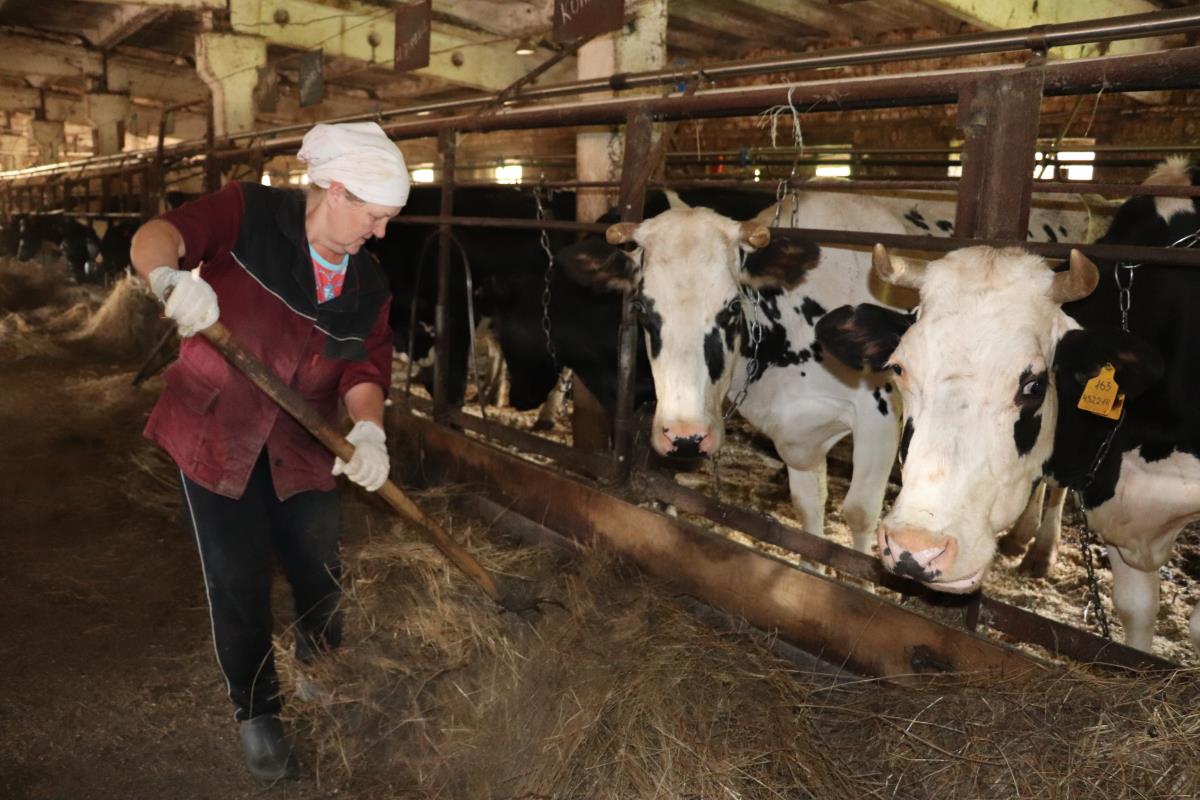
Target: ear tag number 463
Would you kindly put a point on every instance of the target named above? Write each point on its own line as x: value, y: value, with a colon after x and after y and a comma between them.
x: 1101, y: 396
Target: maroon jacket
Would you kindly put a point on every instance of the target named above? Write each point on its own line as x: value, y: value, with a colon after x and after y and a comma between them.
x: 210, y: 418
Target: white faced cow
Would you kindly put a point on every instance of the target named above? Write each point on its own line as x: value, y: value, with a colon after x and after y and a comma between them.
x: 991, y: 374
x: 690, y: 270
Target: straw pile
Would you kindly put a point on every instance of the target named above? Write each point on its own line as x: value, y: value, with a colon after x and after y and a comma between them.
x: 50, y: 316
x: 622, y: 694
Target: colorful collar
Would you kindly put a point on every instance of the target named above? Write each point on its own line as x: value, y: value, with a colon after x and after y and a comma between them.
x: 326, y: 264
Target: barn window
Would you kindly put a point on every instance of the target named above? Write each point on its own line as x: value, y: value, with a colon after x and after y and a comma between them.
x: 422, y: 175
x: 265, y: 180
x: 508, y: 173
x: 839, y: 153
x: 1077, y: 172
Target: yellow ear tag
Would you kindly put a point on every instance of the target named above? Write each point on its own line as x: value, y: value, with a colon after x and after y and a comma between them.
x: 1100, y: 396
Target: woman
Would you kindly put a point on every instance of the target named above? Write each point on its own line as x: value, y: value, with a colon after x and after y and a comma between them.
x: 286, y: 273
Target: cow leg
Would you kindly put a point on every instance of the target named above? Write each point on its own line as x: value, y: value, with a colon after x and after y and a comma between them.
x: 1194, y: 627
x: 1041, y: 557
x: 1026, y: 527
x: 876, y: 440
x: 1135, y: 598
x: 809, y: 489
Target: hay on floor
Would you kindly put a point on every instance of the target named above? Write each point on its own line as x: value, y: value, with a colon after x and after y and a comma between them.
x: 622, y: 694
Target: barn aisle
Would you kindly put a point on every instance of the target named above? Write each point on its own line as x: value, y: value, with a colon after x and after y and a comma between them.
x: 109, y: 688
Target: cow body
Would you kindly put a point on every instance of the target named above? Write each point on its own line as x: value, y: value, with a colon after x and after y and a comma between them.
x: 992, y: 374
x: 708, y: 316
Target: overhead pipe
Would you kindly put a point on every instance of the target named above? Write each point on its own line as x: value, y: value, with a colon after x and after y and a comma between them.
x: 1036, y: 39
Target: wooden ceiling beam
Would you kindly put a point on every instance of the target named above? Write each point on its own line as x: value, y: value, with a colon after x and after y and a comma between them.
x: 121, y: 23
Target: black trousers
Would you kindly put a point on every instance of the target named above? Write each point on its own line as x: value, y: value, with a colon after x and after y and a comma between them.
x: 236, y: 539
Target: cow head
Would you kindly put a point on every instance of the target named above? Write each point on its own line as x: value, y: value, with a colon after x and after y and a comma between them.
x: 687, y: 268
x: 977, y: 372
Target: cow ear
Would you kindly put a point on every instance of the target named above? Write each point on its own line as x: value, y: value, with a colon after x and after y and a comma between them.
x: 864, y: 335
x: 1081, y: 353
x: 594, y: 263
x: 781, y: 264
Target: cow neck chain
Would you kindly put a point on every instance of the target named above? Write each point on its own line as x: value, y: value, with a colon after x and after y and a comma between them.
x: 544, y: 240
x: 752, y: 328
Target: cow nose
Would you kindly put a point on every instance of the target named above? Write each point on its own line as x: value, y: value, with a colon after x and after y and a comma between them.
x: 686, y: 440
x: 916, y: 553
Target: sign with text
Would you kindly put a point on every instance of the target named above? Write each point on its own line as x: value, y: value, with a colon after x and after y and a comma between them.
x: 312, y: 79
x: 412, y: 35
x: 583, y: 19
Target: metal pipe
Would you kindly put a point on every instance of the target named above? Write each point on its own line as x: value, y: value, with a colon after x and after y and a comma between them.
x: 447, y: 144
x: 1037, y: 38
x: 1179, y: 257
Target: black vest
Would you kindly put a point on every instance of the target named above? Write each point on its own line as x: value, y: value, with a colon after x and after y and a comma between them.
x: 273, y: 249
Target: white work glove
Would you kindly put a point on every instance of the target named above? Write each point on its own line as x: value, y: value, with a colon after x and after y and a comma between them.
x: 187, y: 298
x: 369, y: 466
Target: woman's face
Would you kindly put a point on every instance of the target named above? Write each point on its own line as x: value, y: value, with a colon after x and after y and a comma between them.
x: 354, y: 221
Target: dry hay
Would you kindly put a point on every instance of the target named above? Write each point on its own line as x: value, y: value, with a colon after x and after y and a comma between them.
x: 126, y: 325
x: 25, y: 284
x: 620, y: 693
x: 58, y: 318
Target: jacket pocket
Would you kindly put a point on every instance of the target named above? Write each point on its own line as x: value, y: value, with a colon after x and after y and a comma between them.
x: 192, y: 390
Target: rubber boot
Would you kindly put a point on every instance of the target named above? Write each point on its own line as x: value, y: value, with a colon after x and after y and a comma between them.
x: 268, y: 754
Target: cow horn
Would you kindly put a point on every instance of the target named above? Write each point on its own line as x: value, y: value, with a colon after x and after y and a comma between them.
x: 621, y: 232
x: 755, y: 234
x: 1077, y: 282
x: 896, y: 270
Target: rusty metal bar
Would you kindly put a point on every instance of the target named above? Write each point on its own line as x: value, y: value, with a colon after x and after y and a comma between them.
x: 1177, y: 68
x: 846, y: 625
x: 1167, y: 256
x: 999, y: 118
x: 635, y: 172
x: 1056, y: 637
x: 592, y: 464
x: 447, y: 146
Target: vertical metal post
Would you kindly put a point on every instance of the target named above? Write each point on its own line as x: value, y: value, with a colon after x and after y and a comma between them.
x: 447, y: 145
x: 999, y: 118
x: 212, y: 169
x: 635, y: 171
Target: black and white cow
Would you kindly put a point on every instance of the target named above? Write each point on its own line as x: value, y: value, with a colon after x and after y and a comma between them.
x: 691, y: 271
x: 991, y: 374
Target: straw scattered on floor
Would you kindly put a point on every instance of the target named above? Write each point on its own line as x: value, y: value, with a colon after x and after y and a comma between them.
x: 621, y: 693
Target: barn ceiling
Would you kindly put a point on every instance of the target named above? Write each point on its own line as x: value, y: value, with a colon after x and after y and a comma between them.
x: 56, y: 52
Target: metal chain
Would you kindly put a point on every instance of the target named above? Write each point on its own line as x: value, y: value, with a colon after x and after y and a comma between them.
x: 544, y: 239
x: 748, y: 299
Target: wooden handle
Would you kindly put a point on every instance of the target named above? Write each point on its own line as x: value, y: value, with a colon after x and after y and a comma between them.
x: 290, y: 401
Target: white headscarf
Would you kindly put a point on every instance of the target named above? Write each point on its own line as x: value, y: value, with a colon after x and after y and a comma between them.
x: 360, y: 156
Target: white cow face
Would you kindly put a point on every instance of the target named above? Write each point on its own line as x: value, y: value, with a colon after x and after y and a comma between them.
x: 975, y: 373
x: 685, y: 275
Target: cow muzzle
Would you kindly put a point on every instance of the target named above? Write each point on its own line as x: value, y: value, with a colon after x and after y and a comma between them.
x: 927, y: 557
x: 684, y: 440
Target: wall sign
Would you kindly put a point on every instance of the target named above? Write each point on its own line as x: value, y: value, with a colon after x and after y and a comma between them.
x: 583, y: 19
x: 312, y: 78
x: 412, y: 35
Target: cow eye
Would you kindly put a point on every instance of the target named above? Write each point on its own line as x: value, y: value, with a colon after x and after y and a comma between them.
x: 896, y: 368
x: 1034, y: 388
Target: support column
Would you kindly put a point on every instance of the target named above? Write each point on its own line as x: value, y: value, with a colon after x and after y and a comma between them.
x: 48, y: 136
x: 107, y: 114
x: 229, y: 63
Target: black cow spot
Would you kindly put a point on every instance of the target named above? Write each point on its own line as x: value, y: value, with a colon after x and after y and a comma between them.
x: 729, y: 319
x: 908, y: 567
x: 1026, y: 430
x: 915, y: 218
x: 887, y: 387
x: 1051, y: 236
x: 803, y: 356
x: 652, y: 322
x: 1063, y: 231
x: 881, y: 404
x: 945, y: 225
x: 811, y: 310
x: 905, y: 438
x: 818, y: 352
x: 714, y: 354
